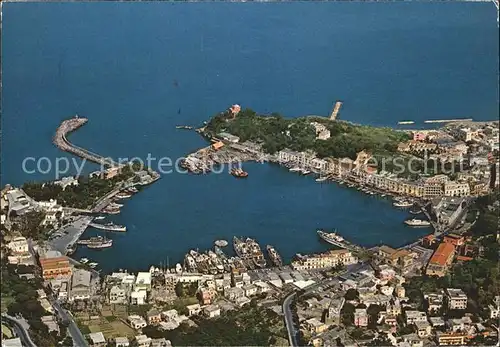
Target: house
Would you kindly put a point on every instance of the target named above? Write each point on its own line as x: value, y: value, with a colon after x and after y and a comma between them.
x: 437, y: 322
x: 435, y: 301
x: 19, y: 250
x: 118, y: 295
x: 457, y: 299
x: 161, y: 342
x: 413, y: 317
x: 387, y: 290
x: 121, y: 342
x: 391, y: 320
x: 14, y: 342
x: 241, y: 301
x: 333, y: 314
x: 494, y: 309
x: 51, y: 323
x: 153, y: 317
x: 137, y: 322
x: 315, y: 326
x: 360, y: 317
x: 400, y: 291
x: 80, y: 285
x: 400, y: 259
x: 211, y: 311
x: 234, y: 293
x: 138, y: 297
x: 424, y: 329
x: 250, y: 289
x: 143, y: 281
x: 193, y: 309
x: 217, y: 145
x: 97, y: 339
x: 143, y: 341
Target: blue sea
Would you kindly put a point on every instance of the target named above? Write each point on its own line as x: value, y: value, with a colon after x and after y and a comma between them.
x: 138, y: 69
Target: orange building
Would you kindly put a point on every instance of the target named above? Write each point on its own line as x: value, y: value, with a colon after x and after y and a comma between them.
x: 429, y: 240
x: 441, y: 260
x: 217, y: 145
x: 54, y: 267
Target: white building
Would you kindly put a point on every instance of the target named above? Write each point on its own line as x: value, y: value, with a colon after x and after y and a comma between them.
x: 143, y: 281
x: 211, y: 311
x: 137, y: 322
x: 322, y: 133
x: 118, y: 295
x: 456, y: 189
x: 121, y: 342
x: 457, y: 299
x: 67, y: 181
x: 138, y: 296
x: 80, y: 285
x: 143, y: 341
x: 413, y: 317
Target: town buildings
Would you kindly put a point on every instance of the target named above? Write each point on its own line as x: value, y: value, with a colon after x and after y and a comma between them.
x: 457, y: 299
x: 324, y: 260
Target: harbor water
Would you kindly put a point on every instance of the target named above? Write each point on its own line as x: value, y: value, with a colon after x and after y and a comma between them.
x: 137, y: 70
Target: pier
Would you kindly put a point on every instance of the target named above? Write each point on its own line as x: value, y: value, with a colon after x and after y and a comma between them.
x: 62, y: 142
x: 336, y: 109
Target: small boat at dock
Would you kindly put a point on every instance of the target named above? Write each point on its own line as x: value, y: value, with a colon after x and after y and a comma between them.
x: 403, y: 203
x: 99, y: 218
x: 93, y: 265
x: 239, y: 173
x: 274, y: 256
x: 84, y: 260
x: 108, y: 227
x: 221, y: 243
x: 295, y: 169
x: 321, y: 179
x: 417, y: 223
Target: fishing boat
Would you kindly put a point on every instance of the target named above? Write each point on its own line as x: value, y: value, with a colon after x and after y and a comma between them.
x: 221, y: 243
x: 321, y: 179
x: 403, y: 203
x: 93, y: 265
x: 239, y: 173
x: 84, y: 260
x: 249, y: 250
x: 295, y: 169
x: 305, y: 172
x: 99, y: 218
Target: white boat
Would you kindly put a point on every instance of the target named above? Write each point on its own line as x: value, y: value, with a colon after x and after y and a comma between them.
x: 295, y: 169
x: 403, y: 203
x: 178, y: 268
x: 84, y: 260
x: 99, y: 217
x: 321, y: 179
x: 93, y: 265
x: 417, y: 223
x: 341, y: 183
x: 305, y: 172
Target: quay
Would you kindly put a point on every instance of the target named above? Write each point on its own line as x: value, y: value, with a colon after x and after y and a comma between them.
x: 70, y: 234
x: 62, y: 142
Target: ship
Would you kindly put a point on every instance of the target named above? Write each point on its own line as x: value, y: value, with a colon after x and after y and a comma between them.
x: 216, y: 261
x: 332, y: 238
x: 186, y: 127
x: 417, y: 223
x: 239, y: 173
x: 221, y: 243
x: 123, y: 195
x: 250, y: 251
x: 96, y: 242
x: 305, y: 172
x: 108, y: 226
x: 321, y: 179
x: 295, y: 169
x: 406, y: 122
x: 99, y: 217
x: 274, y: 256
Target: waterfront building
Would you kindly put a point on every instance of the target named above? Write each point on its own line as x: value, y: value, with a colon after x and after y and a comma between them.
x: 80, y: 285
x: 457, y: 299
x: 441, y: 260
x: 55, y: 267
x: 18, y: 202
x: 324, y: 260
x: 448, y: 209
x: 456, y: 189
x: 432, y: 190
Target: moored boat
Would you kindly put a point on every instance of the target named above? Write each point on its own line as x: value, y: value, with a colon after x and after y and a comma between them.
x: 274, y: 256
x: 417, y: 223
x: 239, y: 173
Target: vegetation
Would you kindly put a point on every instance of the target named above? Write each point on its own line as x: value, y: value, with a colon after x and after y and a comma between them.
x: 250, y: 327
x: 28, y: 225
x: 277, y: 133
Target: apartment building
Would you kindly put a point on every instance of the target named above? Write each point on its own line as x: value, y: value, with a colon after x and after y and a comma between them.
x: 457, y: 299
x: 324, y: 260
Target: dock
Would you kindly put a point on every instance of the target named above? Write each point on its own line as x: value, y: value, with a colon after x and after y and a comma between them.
x: 336, y: 109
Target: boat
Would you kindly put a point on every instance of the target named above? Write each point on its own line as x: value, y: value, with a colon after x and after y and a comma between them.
x: 84, y: 260
x: 99, y: 218
x: 406, y: 122
x: 187, y: 127
x: 93, y: 265
x: 108, y: 226
x: 123, y: 196
x: 403, y: 203
x: 274, y: 256
x: 178, y: 268
x: 250, y: 251
x: 417, y: 223
x: 221, y: 243
x: 295, y: 169
x: 239, y: 173
x: 332, y: 238
x: 190, y: 263
x: 100, y: 245
x: 321, y: 179
x: 305, y: 172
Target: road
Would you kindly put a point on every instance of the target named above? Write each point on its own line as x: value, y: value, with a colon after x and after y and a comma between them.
x: 21, y: 332
x: 76, y: 334
x: 74, y: 231
x: 293, y: 331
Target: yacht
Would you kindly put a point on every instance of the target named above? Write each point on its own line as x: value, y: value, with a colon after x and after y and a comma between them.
x: 295, y: 169
x: 417, y: 223
x: 84, y: 260
x: 93, y: 265
x: 321, y: 179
